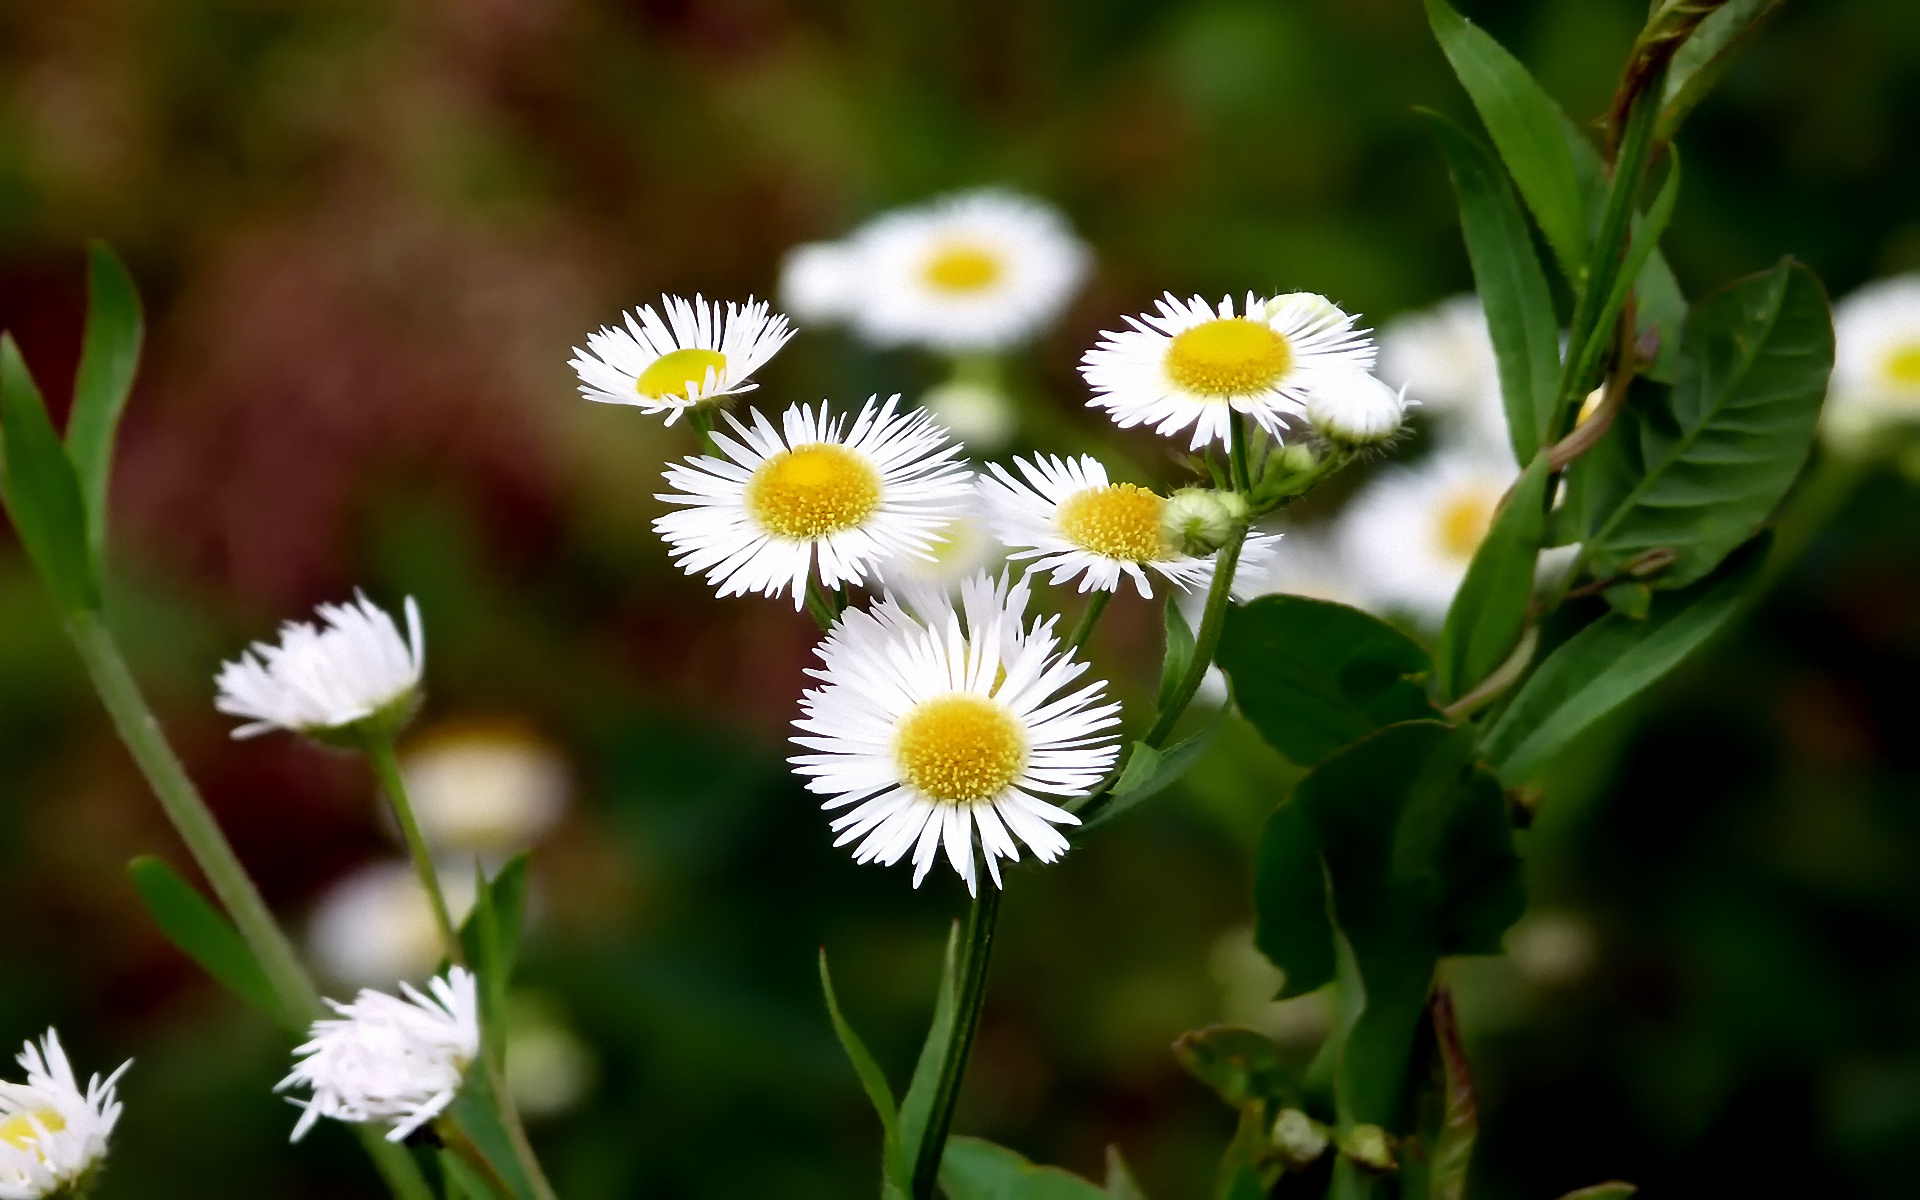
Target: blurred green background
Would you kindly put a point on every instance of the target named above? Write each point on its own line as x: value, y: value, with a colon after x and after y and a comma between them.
x: 368, y: 235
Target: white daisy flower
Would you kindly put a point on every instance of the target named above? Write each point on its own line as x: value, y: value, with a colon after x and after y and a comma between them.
x: 697, y: 353
x: 389, y: 1059
x: 817, y: 490
x: 375, y: 926
x: 1355, y: 409
x: 351, y: 666
x: 819, y: 281
x: 938, y: 721
x: 52, y: 1134
x: 1074, y: 522
x: 1876, y: 363
x: 966, y: 548
x: 484, y: 788
x: 976, y: 271
x: 1189, y: 364
x: 1407, y: 538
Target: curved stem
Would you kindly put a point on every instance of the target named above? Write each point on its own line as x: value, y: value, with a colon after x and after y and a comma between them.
x: 379, y: 751
x: 1206, y: 640
x: 981, y: 921
x: 821, y: 606
x: 1089, y: 617
x: 702, y: 421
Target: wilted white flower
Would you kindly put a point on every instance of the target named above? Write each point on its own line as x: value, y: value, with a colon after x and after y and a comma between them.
x: 389, y: 1059
x: 1191, y: 364
x: 938, y: 721
x: 819, y: 282
x: 351, y: 666
x: 1876, y: 363
x: 1356, y: 409
x: 976, y: 271
x: 52, y: 1134
x: 697, y: 353
x: 848, y: 498
x: 485, y: 789
x: 1409, y: 536
x: 375, y: 926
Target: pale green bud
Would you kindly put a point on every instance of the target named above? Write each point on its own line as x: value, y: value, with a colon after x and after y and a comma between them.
x: 1299, y: 1138
x: 1197, y: 521
x: 1370, y: 1146
x: 1299, y: 458
x: 975, y: 413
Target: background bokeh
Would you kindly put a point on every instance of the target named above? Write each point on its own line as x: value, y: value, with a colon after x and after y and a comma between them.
x: 368, y: 234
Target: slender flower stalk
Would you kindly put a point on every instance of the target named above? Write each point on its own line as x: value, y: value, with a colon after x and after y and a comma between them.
x: 1089, y: 617
x: 379, y: 752
x: 982, y: 919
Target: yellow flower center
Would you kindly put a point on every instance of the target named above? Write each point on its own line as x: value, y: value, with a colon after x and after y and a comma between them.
x: 960, y: 748
x: 962, y: 268
x: 1231, y: 356
x: 17, y: 1130
x: 1463, y: 522
x: 1903, y: 365
x: 811, y: 491
x: 679, y: 372
x: 1118, y: 521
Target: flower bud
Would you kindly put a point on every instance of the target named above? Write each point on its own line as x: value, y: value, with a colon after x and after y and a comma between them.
x: 1298, y: 458
x: 1197, y: 521
x: 1370, y: 1146
x: 1355, y: 409
x: 1299, y: 1138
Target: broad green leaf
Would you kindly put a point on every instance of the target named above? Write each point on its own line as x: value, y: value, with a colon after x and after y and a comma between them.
x: 476, y: 1113
x: 1121, y: 1185
x: 895, y: 1168
x: 202, y: 933
x: 1705, y: 56
x: 1313, y: 676
x: 1527, y: 127
x: 979, y: 1170
x: 1697, y: 471
x: 1291, y: 926
x: 1512, y: 286
x: 1490, y: 609
x: 1149, y: 772
x: 41, y: 490
x: 1609, y: 662
x: 1614, y: 1190
x: 1179, y: 655
x: 1452, y: 1151
x: 491, y: 932
x: 1242, y: 1065
x: 1663, y: 311
x: 462, y: 1181
x: 917, y: 1105
x: 1646, y: 238
x: 109, y: 355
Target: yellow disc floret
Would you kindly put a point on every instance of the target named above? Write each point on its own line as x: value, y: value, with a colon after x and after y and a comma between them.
x: 811, y: 491
x: 962, y: 268
x: 1231, y: 356
x: 960, y: 748
x: 1119, y: 521
x: 1463, y: 520
x: 679, y: 373
x: 1903, y: 365
x: 17, y: 1130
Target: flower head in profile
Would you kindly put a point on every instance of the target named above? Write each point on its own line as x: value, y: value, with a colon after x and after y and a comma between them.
x: 53, y: 1135
x: 1876, y: 362
x: 816, y: 492
x: 697, y: 352
x: 326, y: 678
x: 1068, y: 518
x: 1406, y: 540
x: 1190, y: 364
x: 976, y: 271
x: 1355, y: 409
x: 391, y: 1059
x: 941, y: 725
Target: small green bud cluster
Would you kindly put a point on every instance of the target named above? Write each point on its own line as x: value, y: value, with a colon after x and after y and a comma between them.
x: 1197, y: 521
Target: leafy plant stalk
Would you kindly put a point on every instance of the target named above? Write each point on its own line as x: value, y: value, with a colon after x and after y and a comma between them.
x: 379, y: 752
x: 981, y: 921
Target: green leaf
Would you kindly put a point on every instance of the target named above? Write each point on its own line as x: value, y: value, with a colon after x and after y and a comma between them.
x: 1173, y: 669
x: 917, y: 1106
x: 202, y: 934
x: 1609, y: 662
x: 476, y: 1113
x: 1512, y: 286
x: 1121, y: 1185
x: 1291, y: 925
x: 1246, y: 1185
x: 109, y: 355
x: 1603, y: 1191
x: 462, y: 1181
x: 1242, y: 1065
x: 1528, y: 128
x: 1490, y: 609
x: 491, y: 932
x: 978, y: 1170
x: 1149, y: 772
x: 41, y: 490
x: 1313, y: 676
x: 1629, y: 599
x: 1697, y: 472
x: 1645, y: 239
x: 1452, y: 1151
x: 1663, y: 310
x: 1705, y: 56
x: 895, y: 1168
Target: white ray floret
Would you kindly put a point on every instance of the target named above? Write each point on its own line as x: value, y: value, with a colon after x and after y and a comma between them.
x: 389, y: 1059
x: 942, y: 725
x: 1876, y: 363
x: 1190, y: 364
x: 818, y: 493
x: 696, y: 352
x: 53, y: 1134
x: 325, y: 676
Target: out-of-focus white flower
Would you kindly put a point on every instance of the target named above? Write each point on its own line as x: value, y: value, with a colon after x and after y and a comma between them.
x: 549, y: 1069
x: 1876, y: 363
x: 981, y: 416
x: 387, y: 1058
x: 976, y: 271
x: 1443, y: 358
x: 1248, y: 984
x: 1189, y: 364
x: 375, y: 926
x: 1552, y: 949
x: 819, y: 282
x: 484, y: 789
x: 935, y: 722
x: 1301, y: 562
x: 1408, y: 537
x: 1356, y: 410
x: 52, y: 1134
x: 697, y: 353
x: 848, y: 498
x: 967, y: 548
x: 322, y: 678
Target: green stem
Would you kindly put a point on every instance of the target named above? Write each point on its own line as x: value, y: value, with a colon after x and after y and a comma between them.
x: 981, y: 920
x: 702, y: 421
x: 1089, y: 617
x: 517, y: 1131
x: 1206, y: 640
x: 379, y: 751
x: 188, y: 812
x: 820, y: 605
x: 1237, y: 452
